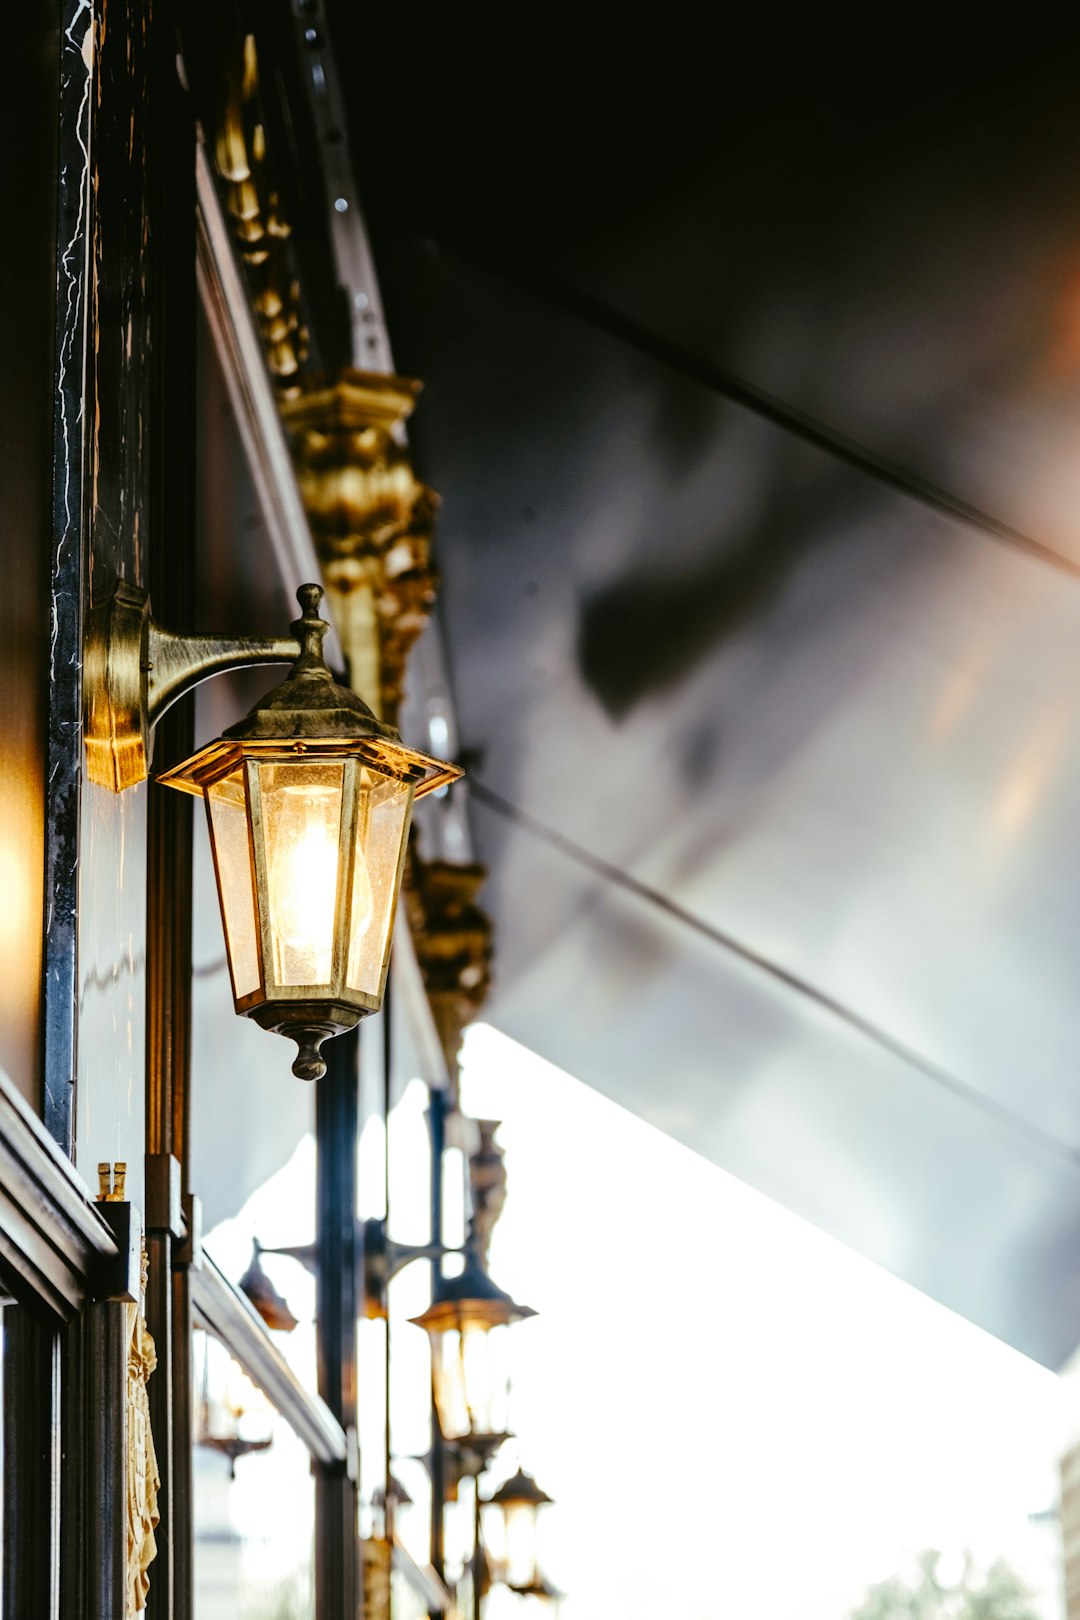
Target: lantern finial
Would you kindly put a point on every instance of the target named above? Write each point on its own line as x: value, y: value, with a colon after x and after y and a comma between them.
x: 309, y: 1063
x: 309, y: 631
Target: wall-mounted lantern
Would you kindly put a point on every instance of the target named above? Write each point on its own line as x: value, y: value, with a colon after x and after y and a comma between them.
x: 308, y: 802
x: 467, y: 1323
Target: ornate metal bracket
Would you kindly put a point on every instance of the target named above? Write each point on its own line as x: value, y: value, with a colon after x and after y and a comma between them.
x: 135, y: 669
x: 382, y: 1258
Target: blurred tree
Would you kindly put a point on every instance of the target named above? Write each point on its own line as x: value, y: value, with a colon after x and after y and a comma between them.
x: 996, y: 1593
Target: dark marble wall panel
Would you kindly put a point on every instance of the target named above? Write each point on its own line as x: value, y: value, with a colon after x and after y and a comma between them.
x: 26, y: 297
x: 118, y: 460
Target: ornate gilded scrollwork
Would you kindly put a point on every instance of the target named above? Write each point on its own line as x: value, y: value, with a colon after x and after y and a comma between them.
x: 262, y: 232
x: 487, y: 1185
x: 377, y: 1558
x: 143, y: 1479
x: 373, y: 522
x: 453, y: 945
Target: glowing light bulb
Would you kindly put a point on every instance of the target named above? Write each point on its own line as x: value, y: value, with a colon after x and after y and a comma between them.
x: 520, y: 1543
x: 303, y: 864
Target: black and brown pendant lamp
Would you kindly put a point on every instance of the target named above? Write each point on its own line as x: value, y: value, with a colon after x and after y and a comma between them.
x: 519, y: 1502
x: 308, y: 801
x: 468, y: 1323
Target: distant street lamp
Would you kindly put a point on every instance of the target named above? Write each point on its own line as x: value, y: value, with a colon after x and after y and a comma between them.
x: 467, y: 1323
x: 518, y: 1503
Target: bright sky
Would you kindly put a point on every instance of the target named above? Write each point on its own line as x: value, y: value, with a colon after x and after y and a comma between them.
x: 736, y: 1415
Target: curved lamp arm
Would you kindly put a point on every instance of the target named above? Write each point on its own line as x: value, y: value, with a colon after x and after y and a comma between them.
x: 134, y: 670
x: 381, y: 1257
x: 177, y: 663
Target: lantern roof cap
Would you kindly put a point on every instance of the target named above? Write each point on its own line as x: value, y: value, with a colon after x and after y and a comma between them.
x: 473, y: 1295
x: 397, y: 1492
x: 310, y: 713
x: 309, y: 700
x: 521, y: 1490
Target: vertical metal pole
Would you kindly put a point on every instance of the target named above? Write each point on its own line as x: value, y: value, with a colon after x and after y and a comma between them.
x: 105, y: 1327
x: 183, y: 1528
x: 169, y: 826
x: 337, y: 1574
x: 388, y: 1087
x: 478, y: 1555
x: 437, y: 1131
x: 159, y: 1390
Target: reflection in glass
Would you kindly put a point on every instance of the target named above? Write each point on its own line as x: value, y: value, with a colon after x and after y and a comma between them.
x: 232, y: 854
x: 301, y: 817
x: 253, y: 1532
x: 382, y: 816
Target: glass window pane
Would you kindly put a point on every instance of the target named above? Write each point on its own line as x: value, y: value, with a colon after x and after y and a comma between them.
x: 226, y: 808
x: 381, y: 828
x: 301, y: 819
x: 253, y: 1531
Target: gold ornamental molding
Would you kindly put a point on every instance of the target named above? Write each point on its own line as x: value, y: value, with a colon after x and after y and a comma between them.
x: 377, y: 1557
x: 487, y: 1185
x: 372, y: 520
x: 261, y: 231
x: 143, y: 1478
x: 454, y: 947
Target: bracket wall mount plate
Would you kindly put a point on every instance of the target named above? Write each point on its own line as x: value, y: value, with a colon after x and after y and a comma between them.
x: 134, y: 670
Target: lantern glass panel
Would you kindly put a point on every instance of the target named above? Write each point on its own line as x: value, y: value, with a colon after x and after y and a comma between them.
x: 382, y: 825
x: 226, y: 805
x: 301, y: 827
x: 520, y: 1533
x: 472, y: 1378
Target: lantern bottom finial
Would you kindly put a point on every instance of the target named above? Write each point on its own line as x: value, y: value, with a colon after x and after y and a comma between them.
x: 306, y: 1023
x: 309, y: 1063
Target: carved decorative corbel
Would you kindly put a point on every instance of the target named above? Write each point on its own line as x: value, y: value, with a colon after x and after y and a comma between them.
x: 260, y: 228
x: 143, y: 1479
x: 487, y: 1185
x: 453, y: 939
x: 373, y: 522
x: 377, y: 1559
